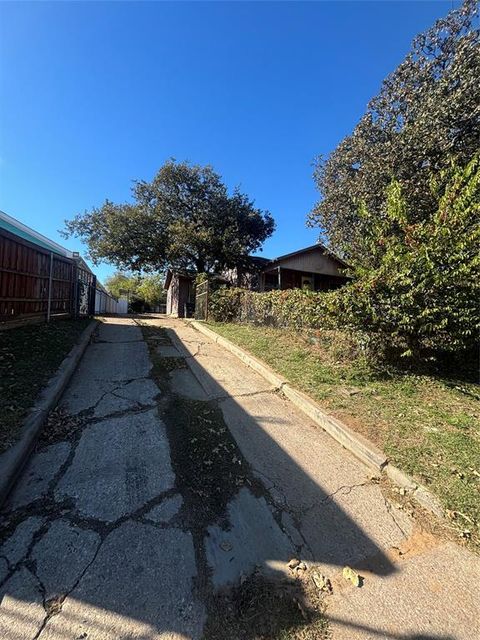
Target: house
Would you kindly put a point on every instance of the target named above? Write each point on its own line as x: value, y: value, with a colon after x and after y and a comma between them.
x: 314, y: 268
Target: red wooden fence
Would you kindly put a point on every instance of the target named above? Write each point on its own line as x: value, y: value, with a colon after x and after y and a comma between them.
x: 34, y: 282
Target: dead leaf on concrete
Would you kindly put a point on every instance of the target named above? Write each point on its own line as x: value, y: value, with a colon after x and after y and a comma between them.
x: 293, y: 563
x: 322, y: 582
x: 352, y: 576
x: 226, y: 545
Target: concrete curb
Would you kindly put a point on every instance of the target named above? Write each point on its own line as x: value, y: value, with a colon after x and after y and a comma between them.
x: 13, y: 460
x: 360, y: 447
x: 254, y: 363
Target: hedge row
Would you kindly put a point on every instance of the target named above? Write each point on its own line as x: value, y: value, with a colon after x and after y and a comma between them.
x: 294, y: 308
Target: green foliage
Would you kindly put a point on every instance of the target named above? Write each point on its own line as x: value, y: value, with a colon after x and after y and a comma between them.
x: 151, y: 289
x: 422, y: 283
x: 120, y: 283
x: 145, y: 288
x: 183, y: 219
x: 297, y: 308
x: 425, y: 114
x: 225, y: 305
x: 200, y: 278
x: 400, y: 197
x: 419, y: 291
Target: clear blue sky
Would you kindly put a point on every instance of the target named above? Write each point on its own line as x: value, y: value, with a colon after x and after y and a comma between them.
x: 94, y: 95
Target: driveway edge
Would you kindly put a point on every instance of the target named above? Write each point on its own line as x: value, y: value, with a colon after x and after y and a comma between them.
x: 360, y: 447
x: 13, y: 460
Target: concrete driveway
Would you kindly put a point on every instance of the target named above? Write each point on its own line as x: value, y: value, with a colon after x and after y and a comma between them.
x: 171, y: 472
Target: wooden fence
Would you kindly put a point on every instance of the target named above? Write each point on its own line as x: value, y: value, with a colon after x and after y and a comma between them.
x: 36, y: 283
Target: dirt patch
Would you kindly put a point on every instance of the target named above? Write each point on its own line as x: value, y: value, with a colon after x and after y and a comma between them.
x: 429, y: 529
x: 58, y: 427
x: 259, y: 609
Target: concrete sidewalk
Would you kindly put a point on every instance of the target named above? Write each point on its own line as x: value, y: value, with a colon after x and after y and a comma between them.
x: 415, y: 586
x: 111, y: 535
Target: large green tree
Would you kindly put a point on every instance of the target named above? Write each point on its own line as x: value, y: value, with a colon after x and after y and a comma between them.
x: 427, y: 112
x: 183, y: 219
x: 146, y: 288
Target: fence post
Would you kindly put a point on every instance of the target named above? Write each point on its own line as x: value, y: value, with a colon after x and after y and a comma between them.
x: 49, y: 303
x: 93, y: 293
x: 207, y: 283
x: 74, y: 290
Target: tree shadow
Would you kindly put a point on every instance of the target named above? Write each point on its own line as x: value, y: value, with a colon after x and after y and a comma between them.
x: 133, y: 589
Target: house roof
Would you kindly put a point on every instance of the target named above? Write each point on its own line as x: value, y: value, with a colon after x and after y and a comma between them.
x: 172, y: 272
x: 313, y: 247
x: 19, y: 229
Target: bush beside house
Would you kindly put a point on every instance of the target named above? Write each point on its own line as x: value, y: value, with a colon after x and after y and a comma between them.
x: 420, y: 294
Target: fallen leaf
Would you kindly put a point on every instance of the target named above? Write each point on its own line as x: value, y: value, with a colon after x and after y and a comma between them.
x: 352, y: 576
x: 322, y: 582
x: 226, y: 545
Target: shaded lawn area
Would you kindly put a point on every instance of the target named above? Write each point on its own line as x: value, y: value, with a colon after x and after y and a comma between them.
x: 29, y: 356
x: 427, y: 426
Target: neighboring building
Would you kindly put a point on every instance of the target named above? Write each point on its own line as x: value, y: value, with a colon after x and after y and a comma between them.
x: 180, y: 293
x: 314, y: 268
x: 40, y: 279
x: 248, y: 275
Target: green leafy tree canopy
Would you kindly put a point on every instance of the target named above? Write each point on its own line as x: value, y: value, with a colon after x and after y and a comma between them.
x: 183, y: 219
x: 427, y: 112
x: 146, y: 288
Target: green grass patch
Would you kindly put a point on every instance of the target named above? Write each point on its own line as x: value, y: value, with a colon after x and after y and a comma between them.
x: 29, y: 356
x: 428, y: 426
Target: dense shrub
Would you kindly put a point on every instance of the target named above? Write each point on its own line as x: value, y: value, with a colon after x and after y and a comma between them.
x: 424, y: 290
x: 422, y: 294
x: 294, y: 308
x: 225, y: 304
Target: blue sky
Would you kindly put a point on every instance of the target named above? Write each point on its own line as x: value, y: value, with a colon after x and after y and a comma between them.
x: 94, y: 95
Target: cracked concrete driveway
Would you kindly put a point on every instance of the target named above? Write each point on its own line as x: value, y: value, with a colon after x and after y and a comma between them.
x: 123, y: 527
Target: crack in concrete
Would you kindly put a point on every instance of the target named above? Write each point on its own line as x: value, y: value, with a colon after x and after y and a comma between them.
x: 348, y: 489
x: 249, y: 394
x: 140, y: 408
x: 283, y: 507
x: 54, y: 606
x: 389, y: 508
x: 118, y: 341
x: 31, y: 568
x: 84, y: 413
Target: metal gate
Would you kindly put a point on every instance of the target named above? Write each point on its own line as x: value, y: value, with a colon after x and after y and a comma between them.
x: 86, y: 285
x: 201, y: 300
